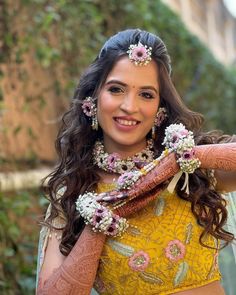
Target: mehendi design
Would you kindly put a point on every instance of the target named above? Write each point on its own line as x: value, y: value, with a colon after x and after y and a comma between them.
x: 78, y: 271
x: 217, y: 156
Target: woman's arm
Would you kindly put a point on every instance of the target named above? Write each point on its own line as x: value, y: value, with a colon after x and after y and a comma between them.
x: 52, y: 259
x: 222, y: 158
x: 62, y: 275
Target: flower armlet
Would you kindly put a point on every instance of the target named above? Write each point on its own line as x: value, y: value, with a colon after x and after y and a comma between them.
x: 100, y: 217
x: 178, y: 140
x: 181, y: 141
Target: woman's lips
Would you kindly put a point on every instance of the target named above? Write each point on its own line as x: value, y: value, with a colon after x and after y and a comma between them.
x: 126, y: 124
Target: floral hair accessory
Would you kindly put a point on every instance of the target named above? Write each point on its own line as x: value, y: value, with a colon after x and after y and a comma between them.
x: 160, y: 117
x: 100, y: 217
x: 140, y: 54
x: 90, y: 110
x: 89, y: 107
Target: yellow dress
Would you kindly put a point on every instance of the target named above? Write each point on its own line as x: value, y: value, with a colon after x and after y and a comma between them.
x: 160, y: 252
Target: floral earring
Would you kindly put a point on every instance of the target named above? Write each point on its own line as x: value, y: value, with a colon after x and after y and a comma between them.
x: 90, y: 110
x: 161, y: 115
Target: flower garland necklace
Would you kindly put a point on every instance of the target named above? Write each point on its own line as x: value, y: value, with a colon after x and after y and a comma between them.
x: 114, y: 163
x: 91, y: 206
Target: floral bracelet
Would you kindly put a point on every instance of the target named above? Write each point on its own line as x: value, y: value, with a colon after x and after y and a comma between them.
x: 100, y: 217
x: 177, y: 139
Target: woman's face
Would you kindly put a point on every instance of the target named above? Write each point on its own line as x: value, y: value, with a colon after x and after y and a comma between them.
x: 127, y: 105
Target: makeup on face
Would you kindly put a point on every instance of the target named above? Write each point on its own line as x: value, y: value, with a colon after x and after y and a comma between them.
x: 127, y: 105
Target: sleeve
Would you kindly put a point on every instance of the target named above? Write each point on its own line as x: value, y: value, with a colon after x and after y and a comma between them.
x: 46, y: 232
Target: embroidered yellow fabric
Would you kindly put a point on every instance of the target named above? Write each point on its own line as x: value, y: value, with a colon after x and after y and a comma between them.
x: 160, y: 252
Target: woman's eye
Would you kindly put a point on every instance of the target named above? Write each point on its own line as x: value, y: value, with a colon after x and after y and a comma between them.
x: 115, y: 89
x: 147, y: 95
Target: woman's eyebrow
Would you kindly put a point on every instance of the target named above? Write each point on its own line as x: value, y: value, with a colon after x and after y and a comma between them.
x: 150, y: 87
x: 116, y: 82
x: 125, y: 85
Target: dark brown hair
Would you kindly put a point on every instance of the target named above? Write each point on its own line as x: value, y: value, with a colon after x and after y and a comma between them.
x: 75, y: 141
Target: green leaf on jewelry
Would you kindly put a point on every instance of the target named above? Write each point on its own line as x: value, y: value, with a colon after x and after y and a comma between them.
x: 151, y: 278
x: 181, y: 273
x: 120, y: 248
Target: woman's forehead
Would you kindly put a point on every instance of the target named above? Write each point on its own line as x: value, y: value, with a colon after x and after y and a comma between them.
x: 129, y: 73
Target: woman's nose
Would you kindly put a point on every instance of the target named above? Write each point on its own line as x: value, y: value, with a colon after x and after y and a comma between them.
x: 129, y: 103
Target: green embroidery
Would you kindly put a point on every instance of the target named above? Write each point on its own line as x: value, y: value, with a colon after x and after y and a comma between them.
x: 151, y: 278
x: 189, y: 233
x: 181, y: 273
x: 159, y: 206
x: 120, y: 248
x: 133, y: 231
x: 214, y: 266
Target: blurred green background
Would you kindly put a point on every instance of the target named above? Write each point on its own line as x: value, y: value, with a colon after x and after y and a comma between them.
x: 64, y: 37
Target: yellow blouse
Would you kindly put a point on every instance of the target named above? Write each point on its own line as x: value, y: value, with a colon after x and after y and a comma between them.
x: 159, y: 253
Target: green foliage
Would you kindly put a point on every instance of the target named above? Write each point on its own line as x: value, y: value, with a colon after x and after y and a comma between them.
x: 65, y: 36
x: 18, y: 236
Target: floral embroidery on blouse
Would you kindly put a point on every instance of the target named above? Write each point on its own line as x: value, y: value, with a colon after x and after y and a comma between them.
x: 159, y: 206
x: 160, y: 253
x: 175, y: 250
x: 120, y: 248
x: 139, y: 261
x: 189, y: 233
x: 181, y: 273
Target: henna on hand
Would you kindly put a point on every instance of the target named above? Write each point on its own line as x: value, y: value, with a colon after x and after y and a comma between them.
x: 138, y: 203
x: 214, y: 156
x: 167, y: 168
x: 77, y: 273
x: 217, y: 156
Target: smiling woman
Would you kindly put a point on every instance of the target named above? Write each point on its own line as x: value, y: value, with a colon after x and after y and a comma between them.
x: 129, y: 169
x: 127, y: 106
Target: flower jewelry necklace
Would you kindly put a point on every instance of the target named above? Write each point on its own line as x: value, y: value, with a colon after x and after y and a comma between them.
x: 114, y: 163
x: 91, y: 205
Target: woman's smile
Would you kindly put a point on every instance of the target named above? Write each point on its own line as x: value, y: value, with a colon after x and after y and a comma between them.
x: 127, y: 105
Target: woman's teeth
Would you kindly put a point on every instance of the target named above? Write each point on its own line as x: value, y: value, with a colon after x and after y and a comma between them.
x: 126, y: 122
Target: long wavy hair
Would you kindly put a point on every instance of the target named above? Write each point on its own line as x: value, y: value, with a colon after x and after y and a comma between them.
x: 75, y: 170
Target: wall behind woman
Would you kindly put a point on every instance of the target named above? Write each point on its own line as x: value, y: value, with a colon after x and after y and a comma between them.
x: 46, y: 45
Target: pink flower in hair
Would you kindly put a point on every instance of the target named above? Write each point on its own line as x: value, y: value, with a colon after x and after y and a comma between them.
x: 140, y: 54
x: 88, y: 107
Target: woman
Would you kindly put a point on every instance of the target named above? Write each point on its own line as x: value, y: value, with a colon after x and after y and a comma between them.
x: 117, y: 123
